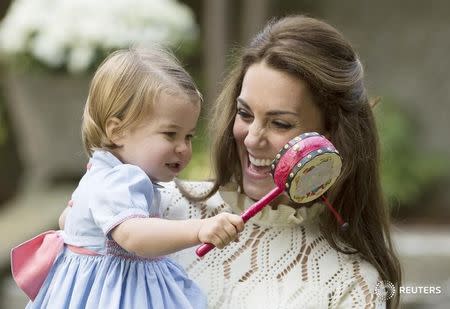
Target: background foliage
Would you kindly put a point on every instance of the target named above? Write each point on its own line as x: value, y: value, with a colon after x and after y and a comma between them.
x: 408, y: 169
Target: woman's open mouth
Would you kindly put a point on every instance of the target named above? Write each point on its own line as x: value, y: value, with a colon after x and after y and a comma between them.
x: 258, y: 167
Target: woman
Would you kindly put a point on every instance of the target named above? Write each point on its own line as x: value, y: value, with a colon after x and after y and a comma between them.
x: 298, y: 75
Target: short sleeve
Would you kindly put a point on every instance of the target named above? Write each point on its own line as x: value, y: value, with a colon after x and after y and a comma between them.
x: 125, y: 192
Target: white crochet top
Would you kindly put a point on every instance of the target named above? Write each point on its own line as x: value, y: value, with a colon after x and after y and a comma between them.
x: 281, y: 260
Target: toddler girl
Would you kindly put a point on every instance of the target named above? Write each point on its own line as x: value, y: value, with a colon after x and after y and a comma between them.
x: 138, y: 123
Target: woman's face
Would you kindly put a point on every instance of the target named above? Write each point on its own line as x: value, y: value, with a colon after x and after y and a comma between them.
x: 272, y: 108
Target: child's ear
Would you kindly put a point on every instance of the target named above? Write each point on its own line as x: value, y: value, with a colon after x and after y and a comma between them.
x: 111, y: 130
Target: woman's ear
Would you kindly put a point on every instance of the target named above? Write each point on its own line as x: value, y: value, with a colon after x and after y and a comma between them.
x: 111, y: 130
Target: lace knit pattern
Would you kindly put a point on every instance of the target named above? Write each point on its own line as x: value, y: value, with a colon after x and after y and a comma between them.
x: 272, y: 266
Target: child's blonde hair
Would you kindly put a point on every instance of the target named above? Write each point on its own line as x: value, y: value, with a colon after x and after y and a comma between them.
x: 126, y: 86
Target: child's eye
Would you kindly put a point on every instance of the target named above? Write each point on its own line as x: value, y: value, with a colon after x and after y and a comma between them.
x: 189, y: 137
x: 170, y: 134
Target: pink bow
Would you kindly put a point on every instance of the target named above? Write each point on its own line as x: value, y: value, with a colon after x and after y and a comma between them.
x: 32, y: 260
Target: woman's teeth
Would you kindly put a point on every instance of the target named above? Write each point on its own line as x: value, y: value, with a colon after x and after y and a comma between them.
x: 259, y: 162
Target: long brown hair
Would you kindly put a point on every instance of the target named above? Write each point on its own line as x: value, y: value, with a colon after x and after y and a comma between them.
x: 315, y: 52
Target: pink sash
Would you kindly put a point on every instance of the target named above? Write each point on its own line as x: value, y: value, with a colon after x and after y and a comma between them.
x: 32, y: 260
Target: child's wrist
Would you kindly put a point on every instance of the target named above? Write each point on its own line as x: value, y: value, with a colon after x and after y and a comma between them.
x: 197, y: 225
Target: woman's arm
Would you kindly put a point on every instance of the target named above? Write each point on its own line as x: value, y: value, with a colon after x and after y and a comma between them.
x: 62, y: 218
x: 152, y: 237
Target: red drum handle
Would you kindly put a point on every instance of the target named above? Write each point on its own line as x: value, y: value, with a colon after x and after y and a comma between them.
x: 203, y: 249
x: 259, y: 205
x: 246, y: 215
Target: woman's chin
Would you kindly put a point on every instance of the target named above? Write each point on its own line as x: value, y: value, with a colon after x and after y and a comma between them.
x: 255, y: 191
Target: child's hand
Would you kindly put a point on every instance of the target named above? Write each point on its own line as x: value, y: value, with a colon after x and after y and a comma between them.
x: 220, y: 230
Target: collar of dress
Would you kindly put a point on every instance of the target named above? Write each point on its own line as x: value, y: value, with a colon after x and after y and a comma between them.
x: 284, y: 215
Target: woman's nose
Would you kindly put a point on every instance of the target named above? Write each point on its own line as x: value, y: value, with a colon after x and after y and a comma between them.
x: 256, y: 136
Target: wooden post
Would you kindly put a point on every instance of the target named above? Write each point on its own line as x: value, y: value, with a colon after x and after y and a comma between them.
x: 254, y: 16
x: 215, y: 47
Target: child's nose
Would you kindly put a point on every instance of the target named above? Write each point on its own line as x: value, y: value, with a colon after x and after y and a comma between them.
x: 181, y: 147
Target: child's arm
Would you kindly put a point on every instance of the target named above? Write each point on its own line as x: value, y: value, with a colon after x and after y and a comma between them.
x: 152, y: 237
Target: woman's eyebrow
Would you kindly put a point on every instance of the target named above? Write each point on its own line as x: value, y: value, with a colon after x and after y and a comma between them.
x: 242, y: 102
x: 270, y: 113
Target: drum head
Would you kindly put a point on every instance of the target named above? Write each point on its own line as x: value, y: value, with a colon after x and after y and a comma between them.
x: 314, y: 176
x: 306, y: 167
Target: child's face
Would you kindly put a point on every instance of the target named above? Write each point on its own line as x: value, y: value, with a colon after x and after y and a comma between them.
x: 161, y: 145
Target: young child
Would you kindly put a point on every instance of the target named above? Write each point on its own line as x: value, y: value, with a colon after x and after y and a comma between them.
x: 138, y: 123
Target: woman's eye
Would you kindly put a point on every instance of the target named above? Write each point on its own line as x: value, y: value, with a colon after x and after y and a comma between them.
x: 243, y: 113
x: 282, y: 124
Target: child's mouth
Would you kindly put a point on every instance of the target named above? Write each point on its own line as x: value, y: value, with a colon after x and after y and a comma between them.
x: 174, y: 167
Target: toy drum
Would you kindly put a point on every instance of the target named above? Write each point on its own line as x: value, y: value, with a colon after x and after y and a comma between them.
x: 306, y: 167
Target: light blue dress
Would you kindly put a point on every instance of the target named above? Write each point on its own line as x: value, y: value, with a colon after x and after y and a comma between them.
x: 109, y: 193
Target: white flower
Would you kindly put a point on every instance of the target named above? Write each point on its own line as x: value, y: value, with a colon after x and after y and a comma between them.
x: 71, y: 33
x: 79, y: 59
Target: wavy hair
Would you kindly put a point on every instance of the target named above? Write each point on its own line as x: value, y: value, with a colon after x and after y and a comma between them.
x: 316, y: 53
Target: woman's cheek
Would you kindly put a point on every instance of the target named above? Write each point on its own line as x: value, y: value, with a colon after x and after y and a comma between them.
x: 239, y: 130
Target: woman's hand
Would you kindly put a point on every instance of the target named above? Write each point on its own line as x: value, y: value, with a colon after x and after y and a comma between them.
x: 221, y: 229
x: 62, y: 218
